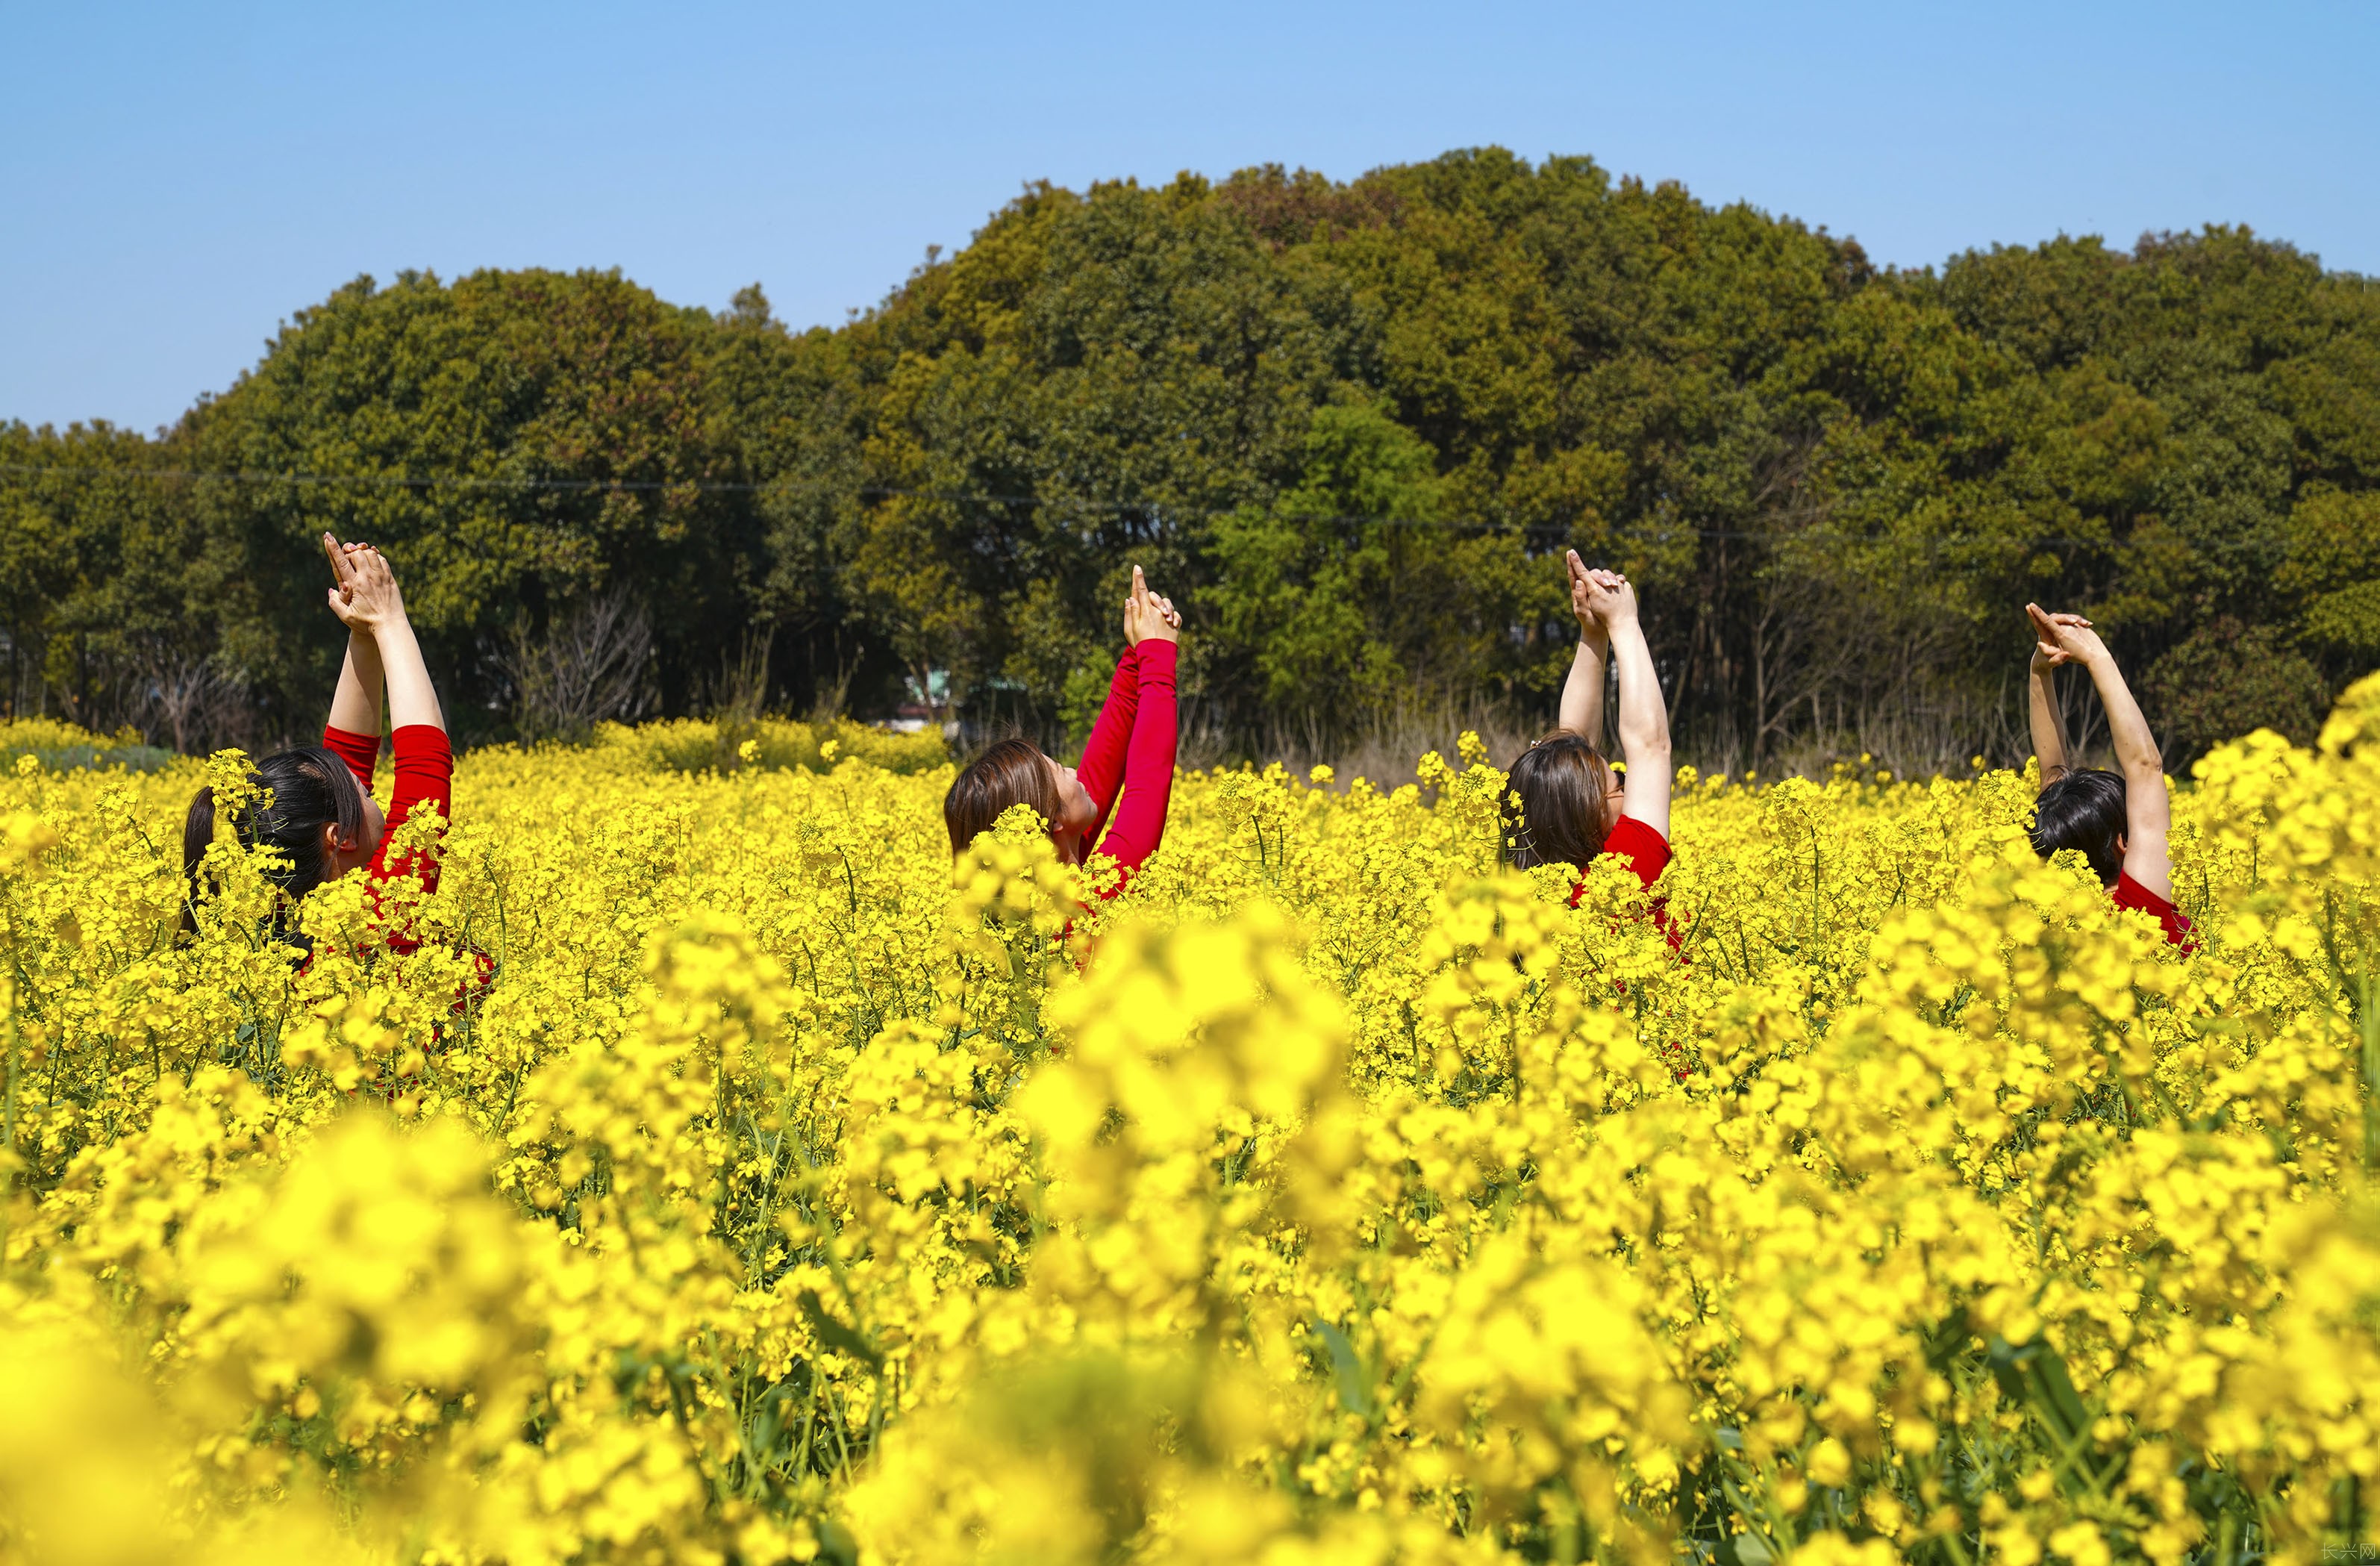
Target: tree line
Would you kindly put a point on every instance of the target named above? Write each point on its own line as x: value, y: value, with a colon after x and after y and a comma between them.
x: 1349, y: 425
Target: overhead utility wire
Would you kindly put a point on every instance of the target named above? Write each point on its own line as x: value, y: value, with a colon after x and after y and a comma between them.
x: 878, y: 491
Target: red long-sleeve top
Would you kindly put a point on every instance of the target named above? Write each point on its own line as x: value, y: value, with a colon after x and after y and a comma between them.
x: 425, y: 774
x: 1127, y: 766
x: 1646, y: 852
x: 2130, y: 893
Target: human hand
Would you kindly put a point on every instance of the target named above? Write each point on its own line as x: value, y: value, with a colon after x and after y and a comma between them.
x: 1581, y: 597
x: 1149, y: 616
x: 365, y: 597
x: 2061, y: 638
x: 1600, y: 599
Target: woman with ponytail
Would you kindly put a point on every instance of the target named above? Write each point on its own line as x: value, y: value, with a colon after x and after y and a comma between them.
x: 320, y: 816
x: 1564, y: 803
x: 1127, y: 767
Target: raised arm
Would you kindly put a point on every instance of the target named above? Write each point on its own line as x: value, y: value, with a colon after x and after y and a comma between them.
x: 368, y: 602
x: 355, y: 706
x: 1155, y: 628
x: 352, y: 730
x: 2148, y: 812
x: 1582, y: 693
x: 1644, y: 716
x: 1100, y: 770
x: 2046, y: 719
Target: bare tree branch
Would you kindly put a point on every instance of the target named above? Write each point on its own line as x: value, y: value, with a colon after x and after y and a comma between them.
x: 593, y: 665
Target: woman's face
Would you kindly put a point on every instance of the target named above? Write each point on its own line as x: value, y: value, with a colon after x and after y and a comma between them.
x: 354, y: 855
x: 1615, y: 794
x: 1077, y: 813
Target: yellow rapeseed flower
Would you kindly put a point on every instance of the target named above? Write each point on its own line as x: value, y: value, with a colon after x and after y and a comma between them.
x: 731, y: 1175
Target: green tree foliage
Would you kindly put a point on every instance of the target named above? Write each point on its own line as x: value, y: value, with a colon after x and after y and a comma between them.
x: 116, y: 597
x: 1349, y: 425
x: 525, y: 440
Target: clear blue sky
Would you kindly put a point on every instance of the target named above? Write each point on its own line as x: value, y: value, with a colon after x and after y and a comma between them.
x: 178, y: 179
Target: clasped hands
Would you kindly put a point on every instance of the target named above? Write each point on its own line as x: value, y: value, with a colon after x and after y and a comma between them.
x: 364, y: 593
x: 1600, y: 599
x: 1148, y: 616
x: 2061, y: 638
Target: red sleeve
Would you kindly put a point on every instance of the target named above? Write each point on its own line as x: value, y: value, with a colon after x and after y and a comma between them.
x: 1148, y: 763
x: 425, y: 774
x: 1646, y: 852
x: 1641, y: 848
x: 2130, y: 893
x: 360, y: 752
x: 1101, y: 768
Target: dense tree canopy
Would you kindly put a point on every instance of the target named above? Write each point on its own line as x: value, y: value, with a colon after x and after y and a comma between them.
x: 1349, y: 424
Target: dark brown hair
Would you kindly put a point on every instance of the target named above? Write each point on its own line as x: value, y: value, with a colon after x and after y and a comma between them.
x: 1553, y: 803
x: 311, y: 789
x: 2082, y: 811
x: 1012, y: 771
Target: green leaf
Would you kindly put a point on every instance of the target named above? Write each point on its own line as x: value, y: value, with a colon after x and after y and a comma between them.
x: 1355, y: 1383
x: 837, y: 1336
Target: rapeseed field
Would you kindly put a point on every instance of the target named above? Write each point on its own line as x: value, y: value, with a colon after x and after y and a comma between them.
x: 725, y: 1179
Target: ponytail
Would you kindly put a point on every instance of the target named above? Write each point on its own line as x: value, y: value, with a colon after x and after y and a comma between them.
x: 299, y: 792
